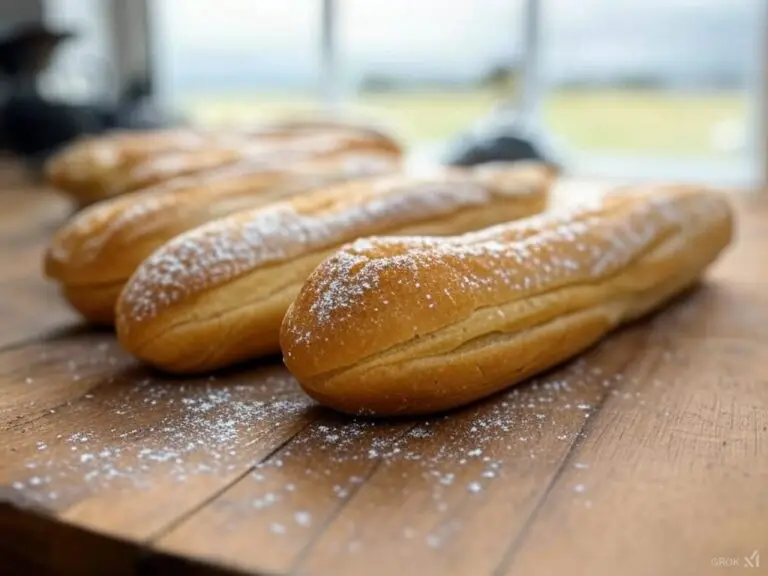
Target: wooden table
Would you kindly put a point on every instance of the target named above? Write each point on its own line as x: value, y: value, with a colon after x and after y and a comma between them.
x: 645, y: 456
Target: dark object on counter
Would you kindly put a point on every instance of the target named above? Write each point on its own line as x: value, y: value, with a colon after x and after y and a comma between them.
x: 506, y: 147
x: 28, y: 50
x: 501, y: 136
x: 32, y: 126
x: 137, y: 110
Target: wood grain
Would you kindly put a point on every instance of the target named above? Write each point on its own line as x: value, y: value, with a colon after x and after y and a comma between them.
x: 675, y: 470
x: 93, y: 429
x: 646, y: 455
x: 486, y: 467
x: 29, y: 306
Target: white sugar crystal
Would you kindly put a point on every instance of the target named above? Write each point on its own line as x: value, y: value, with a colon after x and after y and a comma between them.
x: 302, y: 518
x: 265, y: 501
x: 276, y: 528
x: 420, y: 432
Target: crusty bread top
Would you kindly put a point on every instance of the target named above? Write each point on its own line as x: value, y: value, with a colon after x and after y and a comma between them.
x: 75, y: 164
x: 171, y: 164
x: 378, y: 293
x: 225, y: 249
x: 94, y: 159
x: 98, y: 243
x: 324, y: 123
x: 183, y: 162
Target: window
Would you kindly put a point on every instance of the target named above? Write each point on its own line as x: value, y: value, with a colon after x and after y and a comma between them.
x: 237, y: 60
x: 652, y: 85
x: 656, y: 88
x: 431, y: 68
x: 82, y: 71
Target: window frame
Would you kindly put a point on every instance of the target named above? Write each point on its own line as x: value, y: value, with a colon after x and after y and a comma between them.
x: 750, y: 169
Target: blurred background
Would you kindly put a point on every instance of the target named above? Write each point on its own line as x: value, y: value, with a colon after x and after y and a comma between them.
x: 637, y: 88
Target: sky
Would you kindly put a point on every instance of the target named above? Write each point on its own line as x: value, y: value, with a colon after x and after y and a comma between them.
x: 374, y: 33
x: 275, y: 41
x: 210, y: 44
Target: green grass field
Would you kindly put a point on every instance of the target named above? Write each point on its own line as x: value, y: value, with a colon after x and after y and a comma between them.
x: 638, y: 122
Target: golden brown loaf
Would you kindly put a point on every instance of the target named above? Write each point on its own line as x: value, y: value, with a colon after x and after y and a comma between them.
x: 391, y: 326
x: 98, y: 167
x: 84, y: 167
x: 94, y: 254
x: 172, y: 164
x: 217, y: 294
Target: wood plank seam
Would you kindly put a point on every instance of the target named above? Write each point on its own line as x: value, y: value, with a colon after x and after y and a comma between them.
x: 579, y: 438
x: 141, y: 560
x: 303, y: 555
x: 46, y: 336
x: 629, y: 452
x: 214, y: 495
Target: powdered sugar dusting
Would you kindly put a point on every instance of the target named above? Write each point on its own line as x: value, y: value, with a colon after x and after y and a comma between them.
x: 269, y: 151
x: 438, y: 468
x: 185, y: 430
x: 202, y: 434
x: 498, y: 264
x: 88, y: 237
x: 225, y: 249
x: 93, y: 228
x: 80, y: 162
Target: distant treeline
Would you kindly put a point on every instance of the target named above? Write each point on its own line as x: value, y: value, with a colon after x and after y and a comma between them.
x: 506, y: 78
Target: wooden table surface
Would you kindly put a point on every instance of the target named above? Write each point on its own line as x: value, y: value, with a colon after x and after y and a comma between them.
x: 646, y: 456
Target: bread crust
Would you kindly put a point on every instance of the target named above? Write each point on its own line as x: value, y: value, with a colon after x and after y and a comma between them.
x: 94, y: 254
x: 83, y: 168
x: 401, y: 326
x: 216, y: 295
x: 270, y: 150
x: 101, y: 167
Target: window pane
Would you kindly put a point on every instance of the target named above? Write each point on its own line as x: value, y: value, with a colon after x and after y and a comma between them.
x: 81, y: 70
x: 651, y: 77
x: 238, y: 60
x: 431, y: 67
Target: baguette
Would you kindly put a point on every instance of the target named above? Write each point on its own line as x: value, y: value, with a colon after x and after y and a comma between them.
x: 188, y: 162
x: 216, y: 295
x: 94, y: 254
x: 82, y: 167
x: 94, y: 168
x: 405, y: 326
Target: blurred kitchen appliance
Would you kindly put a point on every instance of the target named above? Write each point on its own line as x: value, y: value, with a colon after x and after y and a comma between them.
x: 34, y: 125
